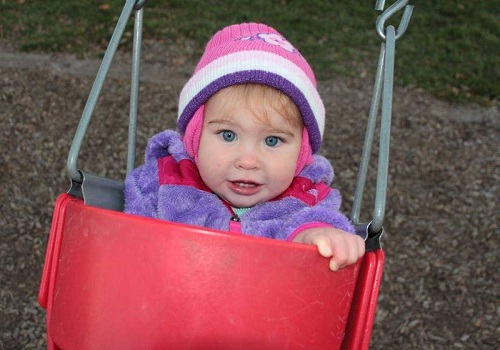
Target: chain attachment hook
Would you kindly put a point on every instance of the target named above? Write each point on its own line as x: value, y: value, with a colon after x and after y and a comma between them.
x: 389, y: 12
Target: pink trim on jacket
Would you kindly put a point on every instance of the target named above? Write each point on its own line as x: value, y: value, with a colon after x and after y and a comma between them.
x: 306, y: 226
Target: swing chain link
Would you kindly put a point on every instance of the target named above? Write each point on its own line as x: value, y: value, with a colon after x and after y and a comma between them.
x: 388, y: 13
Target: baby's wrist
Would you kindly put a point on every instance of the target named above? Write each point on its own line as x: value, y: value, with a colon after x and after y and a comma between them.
x: 309, y: 225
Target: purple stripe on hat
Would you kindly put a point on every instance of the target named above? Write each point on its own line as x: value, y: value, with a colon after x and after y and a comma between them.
x: 256, y: 77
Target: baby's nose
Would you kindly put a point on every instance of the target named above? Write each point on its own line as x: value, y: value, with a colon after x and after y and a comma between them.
x: 248, y: 160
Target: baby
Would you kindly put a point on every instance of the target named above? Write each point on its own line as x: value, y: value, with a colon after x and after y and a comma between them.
x: 250, y: 121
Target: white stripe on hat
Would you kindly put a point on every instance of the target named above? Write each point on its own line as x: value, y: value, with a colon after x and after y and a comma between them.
x: 255, y: 60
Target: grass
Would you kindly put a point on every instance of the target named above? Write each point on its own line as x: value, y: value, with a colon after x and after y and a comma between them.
x: 450, y: 49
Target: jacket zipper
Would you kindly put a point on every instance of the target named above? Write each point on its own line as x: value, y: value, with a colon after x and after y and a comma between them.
x: 235, y: 224
x: 234, y: 221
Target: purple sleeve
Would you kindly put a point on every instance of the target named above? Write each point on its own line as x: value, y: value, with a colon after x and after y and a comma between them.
x: 141, y: 190
x: 325, y: 212
x: 282, y: 218
x: 142, y: 185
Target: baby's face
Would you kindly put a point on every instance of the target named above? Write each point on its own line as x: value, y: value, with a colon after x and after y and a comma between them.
x: 243, y: 160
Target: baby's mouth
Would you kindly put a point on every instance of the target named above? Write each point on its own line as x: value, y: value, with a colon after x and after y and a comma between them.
x: 247, y: 184
x: 245, y: 188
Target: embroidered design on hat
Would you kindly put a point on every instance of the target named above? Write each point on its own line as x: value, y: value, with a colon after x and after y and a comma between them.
x: 273, y: 39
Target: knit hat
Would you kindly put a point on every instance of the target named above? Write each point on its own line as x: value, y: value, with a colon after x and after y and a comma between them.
x: 252, y: 53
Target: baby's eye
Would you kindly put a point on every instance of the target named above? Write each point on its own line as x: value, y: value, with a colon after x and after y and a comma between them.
x: 272, y: 141
x: 228, y: 135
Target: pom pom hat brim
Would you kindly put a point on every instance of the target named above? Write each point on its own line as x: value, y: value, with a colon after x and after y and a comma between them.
x: 254, y: 53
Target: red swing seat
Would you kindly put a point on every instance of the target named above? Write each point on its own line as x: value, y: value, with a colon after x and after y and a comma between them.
x: 118, y: 281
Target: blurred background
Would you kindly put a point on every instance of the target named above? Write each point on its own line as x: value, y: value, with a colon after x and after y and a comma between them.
x: 451, y: 47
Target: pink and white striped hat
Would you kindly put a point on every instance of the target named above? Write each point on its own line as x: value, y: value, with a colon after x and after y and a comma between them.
x: 253, y: 53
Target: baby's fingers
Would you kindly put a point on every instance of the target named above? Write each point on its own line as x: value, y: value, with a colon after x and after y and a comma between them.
x: 324, y: 245
x: 347, y: 252
x: 334, y: 266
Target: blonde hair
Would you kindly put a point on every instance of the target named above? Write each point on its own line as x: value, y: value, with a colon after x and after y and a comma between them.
x: 258, y: 94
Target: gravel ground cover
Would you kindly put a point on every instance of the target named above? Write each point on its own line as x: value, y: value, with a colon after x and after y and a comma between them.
x: 441, y: 280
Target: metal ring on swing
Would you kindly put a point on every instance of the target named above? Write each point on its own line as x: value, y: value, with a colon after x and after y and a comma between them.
x: 389, y: 12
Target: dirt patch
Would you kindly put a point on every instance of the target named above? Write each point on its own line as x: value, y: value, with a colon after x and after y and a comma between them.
x: 440, y: 287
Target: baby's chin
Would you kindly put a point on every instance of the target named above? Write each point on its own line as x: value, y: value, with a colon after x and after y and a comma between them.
x: 245, y: 203
x: 242, y: 201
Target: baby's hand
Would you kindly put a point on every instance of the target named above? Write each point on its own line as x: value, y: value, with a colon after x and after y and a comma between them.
x: 341, y: 247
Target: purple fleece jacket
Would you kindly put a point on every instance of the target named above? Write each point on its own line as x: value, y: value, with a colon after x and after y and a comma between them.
x: 188, y: 201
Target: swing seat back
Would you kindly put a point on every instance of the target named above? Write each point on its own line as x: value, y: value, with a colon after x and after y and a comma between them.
x: 118, y: 281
